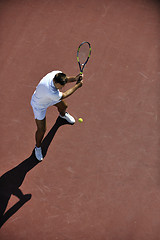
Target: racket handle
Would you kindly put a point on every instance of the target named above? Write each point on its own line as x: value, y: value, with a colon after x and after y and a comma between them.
x: 80, y: 78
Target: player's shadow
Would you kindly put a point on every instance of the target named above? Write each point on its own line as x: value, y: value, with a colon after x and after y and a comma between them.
x: 11, y: 181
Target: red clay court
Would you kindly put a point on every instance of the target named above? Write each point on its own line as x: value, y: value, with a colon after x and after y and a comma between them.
x: 99, y: 180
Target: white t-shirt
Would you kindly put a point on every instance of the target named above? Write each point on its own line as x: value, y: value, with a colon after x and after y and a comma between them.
x: 46, y: 94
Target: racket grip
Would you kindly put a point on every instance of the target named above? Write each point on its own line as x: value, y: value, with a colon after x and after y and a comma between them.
x: 79, y: 79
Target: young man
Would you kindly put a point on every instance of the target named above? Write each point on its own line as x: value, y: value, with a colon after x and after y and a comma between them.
x: 47, y: 94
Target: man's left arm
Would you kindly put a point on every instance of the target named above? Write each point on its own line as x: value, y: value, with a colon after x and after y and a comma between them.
x: 74, y: 79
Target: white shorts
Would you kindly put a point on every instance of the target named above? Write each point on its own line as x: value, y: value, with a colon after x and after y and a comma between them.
x: 39, y: 114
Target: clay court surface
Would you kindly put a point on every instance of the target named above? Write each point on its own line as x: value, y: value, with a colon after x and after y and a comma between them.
x: 100, y: 179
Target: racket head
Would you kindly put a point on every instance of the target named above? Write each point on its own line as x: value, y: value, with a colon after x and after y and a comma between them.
x: 83, y: 54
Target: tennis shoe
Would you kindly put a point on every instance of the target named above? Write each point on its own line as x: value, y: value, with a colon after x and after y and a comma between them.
x: 38, y: 153
x: 68, y: 118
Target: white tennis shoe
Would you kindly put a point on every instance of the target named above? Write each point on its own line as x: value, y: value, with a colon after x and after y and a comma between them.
x: 68, y: 118
x: 38, y: 153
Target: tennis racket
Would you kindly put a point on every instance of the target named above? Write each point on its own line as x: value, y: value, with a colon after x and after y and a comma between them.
x: 83, y: 55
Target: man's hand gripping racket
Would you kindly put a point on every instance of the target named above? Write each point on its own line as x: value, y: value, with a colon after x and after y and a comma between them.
x: 83, y: 55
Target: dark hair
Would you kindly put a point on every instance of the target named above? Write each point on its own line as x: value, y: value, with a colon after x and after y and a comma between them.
x: 60, y: 78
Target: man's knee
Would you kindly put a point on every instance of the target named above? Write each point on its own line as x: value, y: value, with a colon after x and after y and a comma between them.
x: 41, y: 126
x: 62, y: 106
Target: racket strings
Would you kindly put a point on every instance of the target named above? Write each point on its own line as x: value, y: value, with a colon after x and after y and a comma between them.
x: 83, y: 53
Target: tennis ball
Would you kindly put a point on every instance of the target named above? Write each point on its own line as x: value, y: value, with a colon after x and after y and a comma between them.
x: 80, y: 120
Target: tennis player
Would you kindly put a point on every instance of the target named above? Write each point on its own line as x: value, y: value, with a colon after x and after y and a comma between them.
x: 48, y: 93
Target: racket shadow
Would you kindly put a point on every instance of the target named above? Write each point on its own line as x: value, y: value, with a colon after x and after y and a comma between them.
x: 11, y: 181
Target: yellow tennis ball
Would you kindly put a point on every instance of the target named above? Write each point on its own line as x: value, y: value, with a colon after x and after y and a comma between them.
x: 80, y: 120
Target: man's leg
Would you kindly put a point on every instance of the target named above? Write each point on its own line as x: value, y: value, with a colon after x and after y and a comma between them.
x: 61, y: 106
x: 41, y: 129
